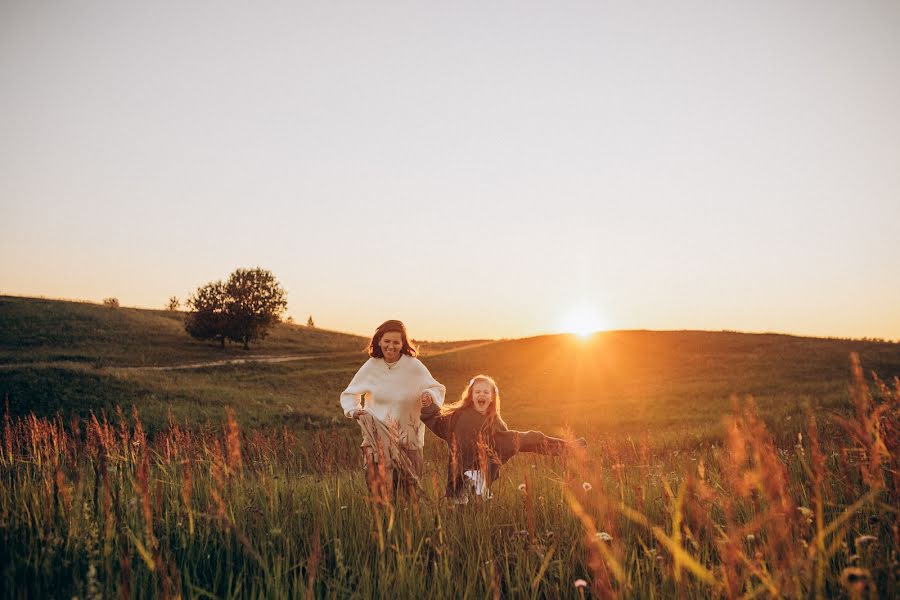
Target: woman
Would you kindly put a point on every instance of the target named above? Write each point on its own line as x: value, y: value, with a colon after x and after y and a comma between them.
x: 395, y: 386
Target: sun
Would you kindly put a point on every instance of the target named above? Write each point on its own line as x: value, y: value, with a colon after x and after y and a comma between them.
x: 582, y: 321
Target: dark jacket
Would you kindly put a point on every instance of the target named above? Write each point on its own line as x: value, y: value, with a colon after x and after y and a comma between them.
x: 481, y: 443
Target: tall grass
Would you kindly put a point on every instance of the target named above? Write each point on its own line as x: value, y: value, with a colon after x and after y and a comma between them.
x: 97, y: 508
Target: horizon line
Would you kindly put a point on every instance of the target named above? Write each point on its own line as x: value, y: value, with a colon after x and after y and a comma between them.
x: 501, y: 339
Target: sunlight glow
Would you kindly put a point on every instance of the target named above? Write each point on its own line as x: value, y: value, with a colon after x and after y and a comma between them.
x: 582, y: 321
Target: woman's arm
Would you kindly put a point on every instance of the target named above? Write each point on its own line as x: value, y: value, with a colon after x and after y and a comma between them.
x: 359, y: 386
x: 430, y: 385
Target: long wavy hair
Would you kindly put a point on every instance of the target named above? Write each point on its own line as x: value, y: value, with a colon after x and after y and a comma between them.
x: 465, y: 399
x: 374, y: 348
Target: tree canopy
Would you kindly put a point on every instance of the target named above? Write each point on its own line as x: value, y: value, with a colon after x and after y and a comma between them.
x: 241, y: 309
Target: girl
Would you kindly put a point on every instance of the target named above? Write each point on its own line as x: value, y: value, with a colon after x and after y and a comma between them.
x: 479, y: 439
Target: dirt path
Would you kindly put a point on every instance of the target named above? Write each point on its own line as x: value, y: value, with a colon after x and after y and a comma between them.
x: 220, y: 363
x: 275, y: 359
x: 232, y: 361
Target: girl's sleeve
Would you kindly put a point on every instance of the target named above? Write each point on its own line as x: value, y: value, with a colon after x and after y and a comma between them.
x: 359, y: 385
x: 538, y: 442
x: 438, y: 424
x: 431, y: 385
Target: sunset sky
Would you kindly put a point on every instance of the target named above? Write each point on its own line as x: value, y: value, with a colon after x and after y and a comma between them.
x: 477, y: 169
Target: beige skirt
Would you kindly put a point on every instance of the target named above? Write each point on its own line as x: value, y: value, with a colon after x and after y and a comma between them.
x: 383, y: 445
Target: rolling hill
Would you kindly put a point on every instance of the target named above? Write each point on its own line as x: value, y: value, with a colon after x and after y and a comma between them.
x: 75, y: 358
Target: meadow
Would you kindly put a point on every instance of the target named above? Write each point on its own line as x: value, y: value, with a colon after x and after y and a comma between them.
x: 719, y: 465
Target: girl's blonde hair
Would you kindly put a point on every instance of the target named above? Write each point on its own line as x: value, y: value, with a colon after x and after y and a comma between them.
x: 465, y: 399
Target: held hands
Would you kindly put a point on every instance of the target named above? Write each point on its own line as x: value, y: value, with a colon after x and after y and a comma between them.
x: 424, y: 400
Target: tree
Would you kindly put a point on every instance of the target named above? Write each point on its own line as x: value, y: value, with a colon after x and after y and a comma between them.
x: 241, y: 309
x: 173, y: 304
x: 255, y: 303
x: 309, y: 322
x: 208, y: 318
x: 111, y: 302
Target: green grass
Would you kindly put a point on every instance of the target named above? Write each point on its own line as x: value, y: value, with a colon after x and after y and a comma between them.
x: 83, y: 517
x: 36, y: 331
x: 179, y: 514
x: 675, y: 386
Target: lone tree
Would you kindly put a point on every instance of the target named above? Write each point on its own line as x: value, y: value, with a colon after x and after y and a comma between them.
x: 310, y: 322
x: 173, y: 304
x: 208, y: 317
x: 241, y: 309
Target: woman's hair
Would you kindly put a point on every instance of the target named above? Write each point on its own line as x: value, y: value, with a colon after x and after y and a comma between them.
x: 374, y: 348
x: 465, y: 399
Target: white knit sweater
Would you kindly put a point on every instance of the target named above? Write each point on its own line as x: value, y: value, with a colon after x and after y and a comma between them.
x: 393, y: 395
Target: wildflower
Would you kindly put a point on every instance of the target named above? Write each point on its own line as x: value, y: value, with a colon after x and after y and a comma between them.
x: 587, y: 487
x: 807, y: 513
x: 580, y: 583
x: 751, y: 538
x: 865, y: 539
x: 343, y: 507
x: 522, y: 487
x: 603, y: 536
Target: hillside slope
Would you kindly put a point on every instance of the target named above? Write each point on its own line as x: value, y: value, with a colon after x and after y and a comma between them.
x: 675, y: 384
x: 35, y: 330
x: 680, y: 382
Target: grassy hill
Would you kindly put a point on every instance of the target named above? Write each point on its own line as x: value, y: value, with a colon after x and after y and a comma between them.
x: 676, y: 385
x: 38, y: 331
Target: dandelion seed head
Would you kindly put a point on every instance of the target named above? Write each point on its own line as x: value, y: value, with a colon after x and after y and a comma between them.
x: 580, y: 583
x: 603, y: 536
x: 587, y: 486
x: 522, y: 487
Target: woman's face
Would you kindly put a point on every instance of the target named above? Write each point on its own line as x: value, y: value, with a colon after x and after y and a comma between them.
x: 482, y: 395
x: 391, y: 343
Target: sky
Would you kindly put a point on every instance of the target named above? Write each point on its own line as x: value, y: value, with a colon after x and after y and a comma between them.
x: 476, y: 169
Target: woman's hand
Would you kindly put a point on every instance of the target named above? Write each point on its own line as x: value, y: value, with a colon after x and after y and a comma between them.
x: 426, y: 399
x: 356, y: 413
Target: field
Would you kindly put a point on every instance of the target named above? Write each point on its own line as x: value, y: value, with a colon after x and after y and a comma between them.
x: 244, y: 480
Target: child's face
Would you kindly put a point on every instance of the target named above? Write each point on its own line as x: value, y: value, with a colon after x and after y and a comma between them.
x: 482, y: 395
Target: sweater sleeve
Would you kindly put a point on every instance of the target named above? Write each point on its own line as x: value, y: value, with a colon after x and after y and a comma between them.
x: 438, y: 424
x: 431, y: 385
x: 359, y: 385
